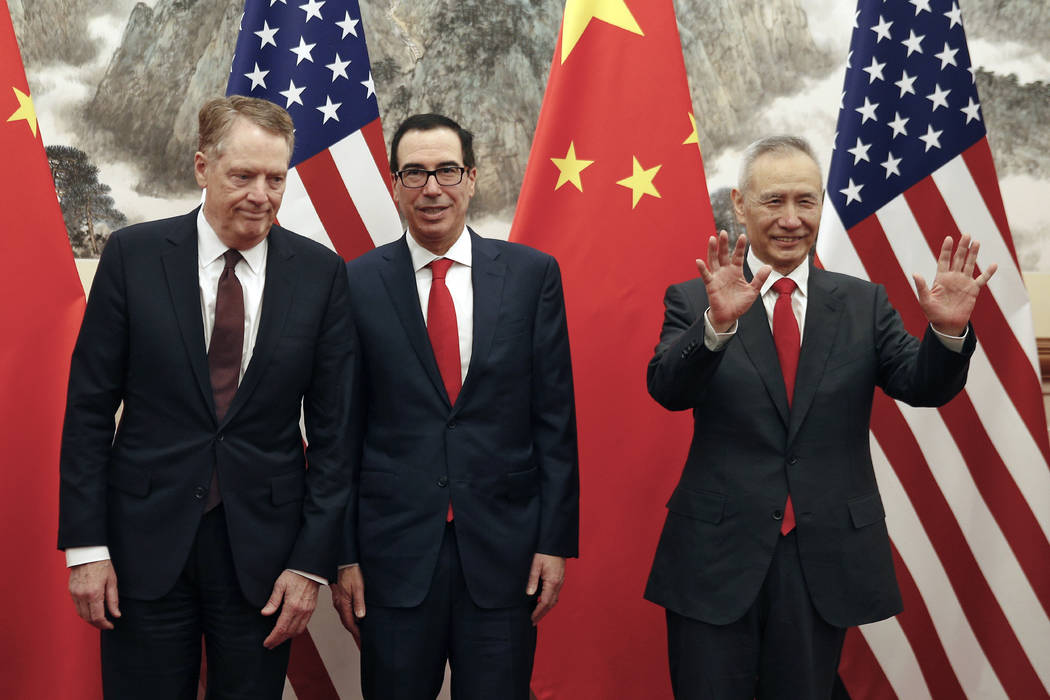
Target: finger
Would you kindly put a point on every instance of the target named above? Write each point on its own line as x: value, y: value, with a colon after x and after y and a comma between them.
x: 275, y: 599
x: 961, y: 252
x: 971, y: 259
x: 534, y: 578
x: 723, y: 248
x: 944, y: 259
x: 280, y: 632
x: 712, y: 253
x: 986, y: 275
x: 920, y: 288
x: 760, y: 277
x: 739, y: 251
x: 705, y: 273
x: 112, y: 597
x: 357, y: 597
x: 97, y: 612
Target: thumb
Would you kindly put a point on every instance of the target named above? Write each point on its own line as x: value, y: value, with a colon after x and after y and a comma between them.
x: 275, y: 599
x: 534, y: 578
x: 112, y: 597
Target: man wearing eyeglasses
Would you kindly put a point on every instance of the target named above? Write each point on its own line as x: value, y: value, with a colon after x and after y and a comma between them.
x: 465, y: 500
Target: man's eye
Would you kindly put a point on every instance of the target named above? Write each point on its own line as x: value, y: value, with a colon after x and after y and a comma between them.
x: 448, y: 170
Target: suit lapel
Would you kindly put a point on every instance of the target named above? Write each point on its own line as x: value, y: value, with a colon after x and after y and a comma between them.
x: 823, y: 309
x: 400, y: 281
x: 757, y: 340
x: 278, y: 298
x: 180, y: 263
x: 487, y: 276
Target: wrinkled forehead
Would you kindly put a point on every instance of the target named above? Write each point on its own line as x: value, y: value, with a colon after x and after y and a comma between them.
x: 785, y: 172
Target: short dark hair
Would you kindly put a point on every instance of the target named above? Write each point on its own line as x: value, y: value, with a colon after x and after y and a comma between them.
x: 217, y: 116
x: 429, y: 122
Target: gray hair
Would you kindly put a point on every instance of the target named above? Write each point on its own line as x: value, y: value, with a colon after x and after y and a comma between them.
x: 781, y: 143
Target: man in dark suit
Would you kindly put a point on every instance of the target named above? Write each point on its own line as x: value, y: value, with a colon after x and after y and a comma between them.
x: 199, y: 517
x: 466, y: 502
x: 775, y: 541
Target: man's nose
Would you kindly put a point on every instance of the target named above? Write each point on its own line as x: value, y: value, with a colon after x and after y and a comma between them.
x: 431, y: 188
x: 790, y: 218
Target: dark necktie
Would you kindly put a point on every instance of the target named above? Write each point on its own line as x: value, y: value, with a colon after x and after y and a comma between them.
x: 442, y: 329
x: 226, y: 349
x: 444, y: 335
x: 787, y: 338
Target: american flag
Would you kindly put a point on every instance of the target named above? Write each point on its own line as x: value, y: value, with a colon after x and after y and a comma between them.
x: 966, y: 486
x: 310, y: 57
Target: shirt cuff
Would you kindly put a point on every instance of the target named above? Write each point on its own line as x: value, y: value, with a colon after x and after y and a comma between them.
x: 713, y: 340
x: 315, y: 579
x: 954, y: 343
x: 75, y: 556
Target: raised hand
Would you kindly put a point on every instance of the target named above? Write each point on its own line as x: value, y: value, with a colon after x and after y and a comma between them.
x: 728, y: 291
x: 950, y: 301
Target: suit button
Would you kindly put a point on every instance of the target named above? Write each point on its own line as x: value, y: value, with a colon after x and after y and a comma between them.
x: 443, y: 481
x: 200, y: 492
x: 778, y: 515
x: 452, y: 425
x: 220, y: 437
x: 792, y: 459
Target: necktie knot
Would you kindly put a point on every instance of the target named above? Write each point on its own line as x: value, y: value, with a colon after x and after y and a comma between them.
x: 232, y: 257
x: 784, y: 285
x: 440, y: 267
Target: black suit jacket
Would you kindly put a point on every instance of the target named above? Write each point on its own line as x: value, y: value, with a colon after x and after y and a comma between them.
x: 142, y: 343
x: 748, y: 447
x: 505, y: 453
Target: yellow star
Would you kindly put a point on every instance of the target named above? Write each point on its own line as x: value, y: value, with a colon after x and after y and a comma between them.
x: 694, y: 136
x: 641, y: 182
x: 579, y: 13
x: 25, y: 110
x: 570, y: 168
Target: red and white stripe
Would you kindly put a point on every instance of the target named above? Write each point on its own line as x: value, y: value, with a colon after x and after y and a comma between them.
x: 966, y: 486
x: 341, y: 197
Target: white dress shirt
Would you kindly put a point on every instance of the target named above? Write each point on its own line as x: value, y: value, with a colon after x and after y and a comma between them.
x: 458, y: 281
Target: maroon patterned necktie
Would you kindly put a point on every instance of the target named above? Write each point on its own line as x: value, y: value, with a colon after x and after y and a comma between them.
x: 226, y: 349
x: 787, y: 339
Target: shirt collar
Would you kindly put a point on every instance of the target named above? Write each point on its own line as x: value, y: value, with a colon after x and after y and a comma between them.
x: 460, y: 252
x: 800, y: 275
x: 210, y: 248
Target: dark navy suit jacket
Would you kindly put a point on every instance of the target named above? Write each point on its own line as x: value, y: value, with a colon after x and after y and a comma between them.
x: 749, y: 447
x: 505, y: 453
x: 142, y: 492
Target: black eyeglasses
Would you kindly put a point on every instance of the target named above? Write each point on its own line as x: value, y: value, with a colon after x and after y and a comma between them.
x: 446, y: 176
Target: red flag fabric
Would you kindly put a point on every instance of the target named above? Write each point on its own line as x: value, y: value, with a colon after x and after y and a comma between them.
x: 615, y: 190
x: 50, y: 652
x: 966, y: 487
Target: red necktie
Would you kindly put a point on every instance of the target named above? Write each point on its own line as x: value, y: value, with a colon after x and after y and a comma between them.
x: 444, y: 335
x: 442, y: 329
x: 787, y: 339
x: 225, y: 350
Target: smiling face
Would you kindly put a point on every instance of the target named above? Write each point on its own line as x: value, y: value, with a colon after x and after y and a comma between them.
x: 780, y: 207
x: 436, y: 214
x: 245, y: 180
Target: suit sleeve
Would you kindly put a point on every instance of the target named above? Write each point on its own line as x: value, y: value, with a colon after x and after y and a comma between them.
x: 920, y: 374
x: 681, y: 364
x: 554, y: 421
x: 96, y: 388
x: 326, y: 410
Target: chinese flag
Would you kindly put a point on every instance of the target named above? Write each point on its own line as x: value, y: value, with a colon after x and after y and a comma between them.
x: 48, y: 651
x: 615, y: 191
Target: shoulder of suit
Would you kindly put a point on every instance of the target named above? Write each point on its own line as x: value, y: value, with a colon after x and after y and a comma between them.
x: 147, y: 234
x: 512, y: 249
